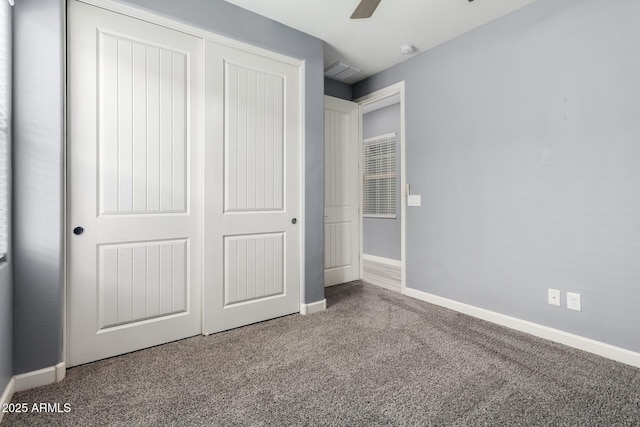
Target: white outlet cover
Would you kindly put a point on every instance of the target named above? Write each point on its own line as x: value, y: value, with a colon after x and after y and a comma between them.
x: 414, y: 200
x: 573, y: 301
x: 554, y: 297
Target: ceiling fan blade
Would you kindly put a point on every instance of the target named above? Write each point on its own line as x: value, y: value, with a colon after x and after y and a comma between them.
x: 365, y: 9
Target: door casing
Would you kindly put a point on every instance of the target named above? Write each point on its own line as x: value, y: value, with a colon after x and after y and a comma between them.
x: 379, y: 96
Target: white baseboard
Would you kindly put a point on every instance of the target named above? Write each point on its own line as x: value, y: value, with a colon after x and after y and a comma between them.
x: 576, y: 341
x: 381, y: 260
x: 313, y: 307
x: 61, y: 371
x: 7, y: 395
x: 46, y: 376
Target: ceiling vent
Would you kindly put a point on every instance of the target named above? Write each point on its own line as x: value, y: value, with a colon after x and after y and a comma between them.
x: 340, y: 71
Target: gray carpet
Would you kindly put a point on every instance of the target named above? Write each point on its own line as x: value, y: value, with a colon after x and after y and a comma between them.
x: 373, y: 358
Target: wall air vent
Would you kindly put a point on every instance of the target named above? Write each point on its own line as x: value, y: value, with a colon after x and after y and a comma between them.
x: 340, y: 71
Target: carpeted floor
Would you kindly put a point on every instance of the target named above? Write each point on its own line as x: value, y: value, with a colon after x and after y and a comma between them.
x: 373, y: 358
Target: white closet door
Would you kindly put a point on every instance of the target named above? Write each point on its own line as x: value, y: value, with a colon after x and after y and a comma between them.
x: 135, y: 140
x: 341, y: 192
x: 252, y: 188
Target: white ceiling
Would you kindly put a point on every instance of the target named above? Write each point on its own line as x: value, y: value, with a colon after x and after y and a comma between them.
x: 373, y: 44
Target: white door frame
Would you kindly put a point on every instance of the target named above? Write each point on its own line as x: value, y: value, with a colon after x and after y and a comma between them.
x: 372, y: 98
x: 153, y: 18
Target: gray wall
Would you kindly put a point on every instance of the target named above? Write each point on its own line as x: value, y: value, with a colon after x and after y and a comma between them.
x: 38, y: 184
x: 38, y: 157
x: 523, y: 139
x: 338, y: 89
x: 381, y: 236
x: 226, y: 19
x: 6, y: 326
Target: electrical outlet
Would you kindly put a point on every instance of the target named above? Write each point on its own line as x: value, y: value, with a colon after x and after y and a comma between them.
x: 573, y: 301
x: 554, y: 297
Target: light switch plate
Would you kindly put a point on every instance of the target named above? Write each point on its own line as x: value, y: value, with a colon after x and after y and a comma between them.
x: 414, y: 200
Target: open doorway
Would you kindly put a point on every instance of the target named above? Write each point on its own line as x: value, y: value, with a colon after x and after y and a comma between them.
x: 383, y: 182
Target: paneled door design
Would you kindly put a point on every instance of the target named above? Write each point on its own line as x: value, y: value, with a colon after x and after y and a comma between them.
x: 341, y: 192
x: 135, y: 208
x: 252, y: 188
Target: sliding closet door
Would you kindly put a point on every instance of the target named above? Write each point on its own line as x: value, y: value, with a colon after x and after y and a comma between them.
x: 134, y: 186
x: 252, y: 188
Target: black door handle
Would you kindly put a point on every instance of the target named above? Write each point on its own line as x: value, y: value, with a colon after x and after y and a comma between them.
x: 294, y: 220
x: 78, y: 231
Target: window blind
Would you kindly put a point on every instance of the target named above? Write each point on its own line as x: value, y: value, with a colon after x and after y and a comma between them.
x: 5, y: 121
x: 379, y: 187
